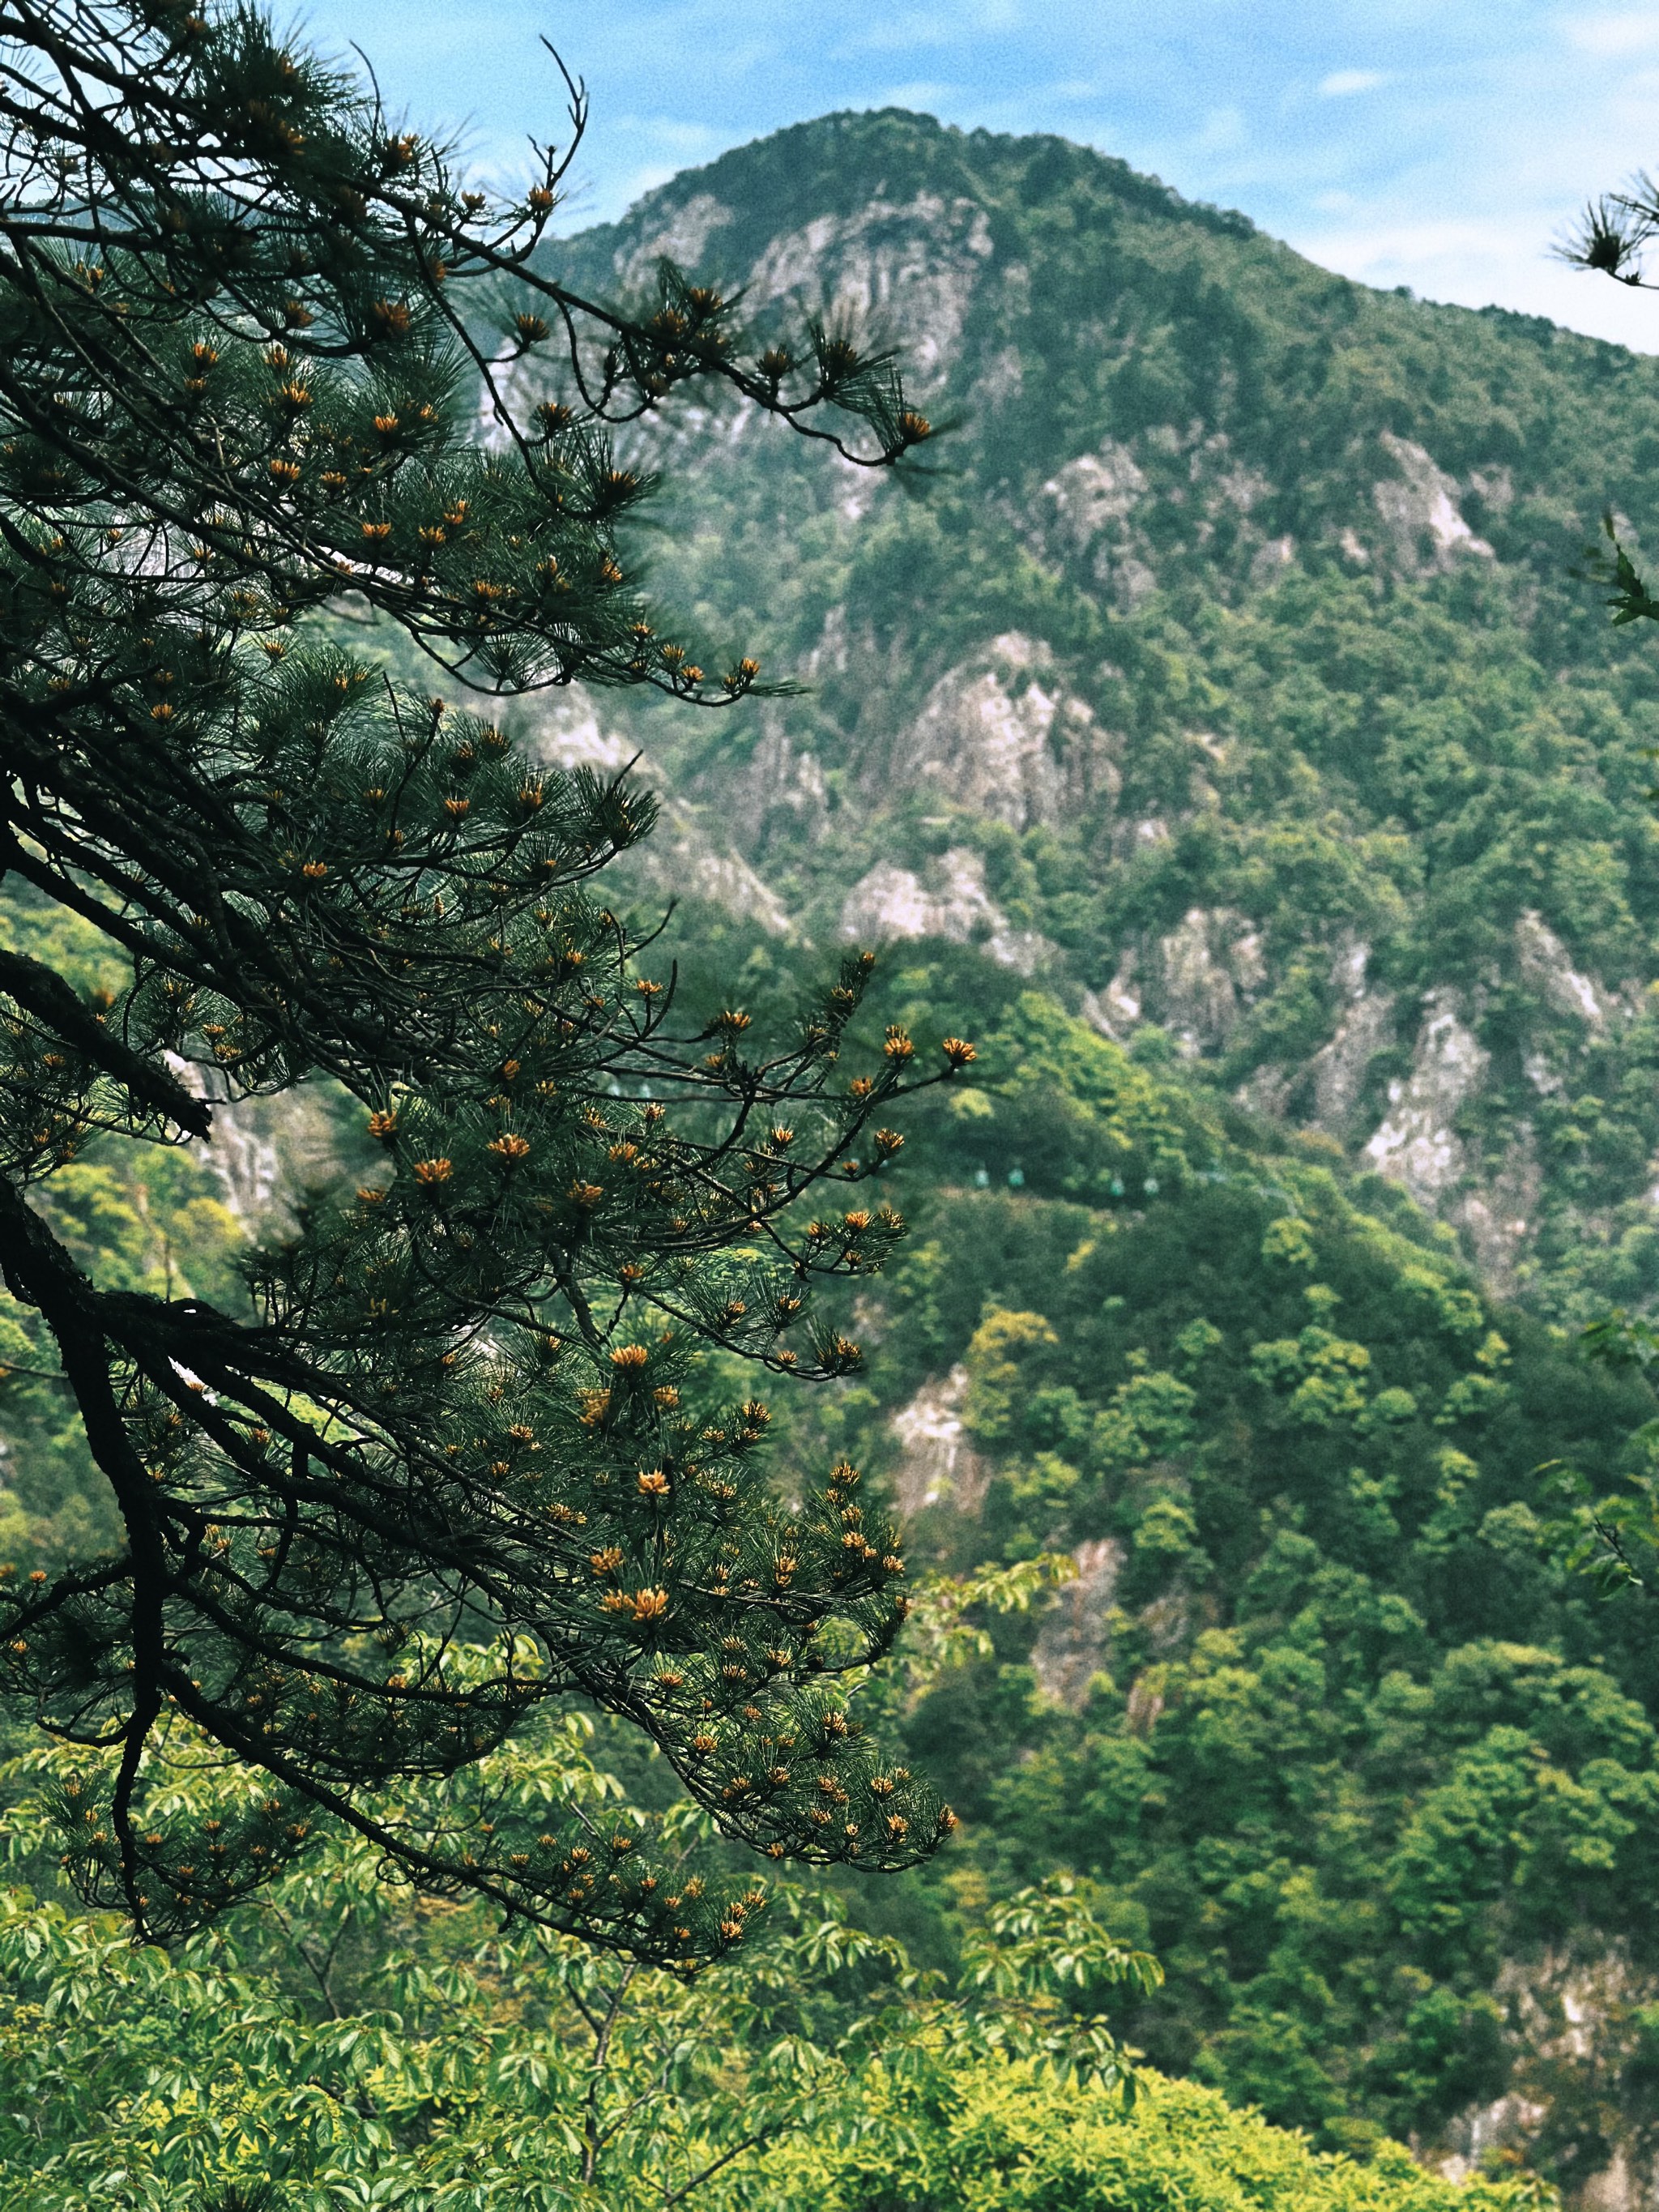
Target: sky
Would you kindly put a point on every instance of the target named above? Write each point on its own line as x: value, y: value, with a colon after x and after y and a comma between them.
x: 1441, y: 145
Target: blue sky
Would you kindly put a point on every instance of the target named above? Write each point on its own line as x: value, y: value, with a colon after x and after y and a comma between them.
x: 1438, y: 143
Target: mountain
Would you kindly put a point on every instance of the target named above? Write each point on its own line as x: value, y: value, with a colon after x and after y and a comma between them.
x: 1232, y: 676
x: 1225, y: 731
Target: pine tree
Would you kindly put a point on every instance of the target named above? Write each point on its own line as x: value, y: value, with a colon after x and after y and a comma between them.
x: 450, y: 1465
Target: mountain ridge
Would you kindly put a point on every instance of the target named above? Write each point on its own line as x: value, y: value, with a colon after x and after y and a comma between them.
x: 1235, y: 570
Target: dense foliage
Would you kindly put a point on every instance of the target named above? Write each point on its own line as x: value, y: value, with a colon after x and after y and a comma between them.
x: 343, y: 2040
x: 1245, y: 676
x: 1323, y: 1709
x: 340, y: 2042
x: 997, y: 2140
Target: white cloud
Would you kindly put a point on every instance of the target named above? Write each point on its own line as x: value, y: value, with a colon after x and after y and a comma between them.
x: 1613, y: 36
x: 1222, y: 130
x: 1473, y: 261
x: 922, y: 96
x: 1501, y: 117
x: 954, y: 26
x: 689, y: 141
x: 916, y: 27
x: 639, y: 182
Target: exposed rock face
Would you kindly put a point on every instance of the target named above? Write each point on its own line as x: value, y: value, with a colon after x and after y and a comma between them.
x: 1418, y: 510
x: 1224, y: 480
x: 265, y: 1150
x: 1500, y: 1218
x: 1205, y: 968
x: 1365, y: 1026
x: 1090, y: 515
x: 1115, y: 1009
x: 1495, y: 490
x: 684, y: 856
x: 784, y: 790
x: 264, y: 1154
x: 683, y: 235
x: 1197, y: 984
x: 1094, y: 492
x: 1572, y: 2019
x: 1417, y: 1144
x: 939, y: 1467
x: 1266, y: 1090
x: 1546, y: 964
x: 1340, y: 1068
x: 997, y: 737
x: 912, y: 266
x: 1196, y: 991
x: 951, y: 901
x: 1102, y: 510
x: 1072, y: 1643
x: 1269, y: 560
x: 1167, y: 1621
x: 571, y: 736
x: 1495, y: 2127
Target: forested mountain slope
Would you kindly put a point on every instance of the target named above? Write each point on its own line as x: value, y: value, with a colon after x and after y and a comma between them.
x: 1318, y: 1707
x: 1229, y: 686
x: 1232, y: 675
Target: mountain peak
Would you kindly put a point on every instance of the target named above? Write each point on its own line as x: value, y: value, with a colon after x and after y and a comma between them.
x: 835, y: 164
x: 1313, y: 738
